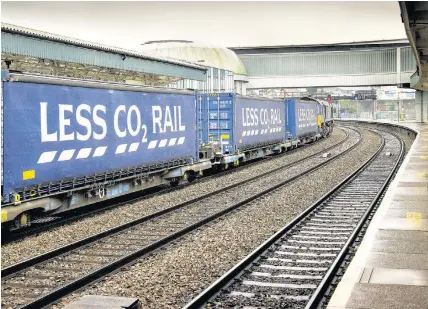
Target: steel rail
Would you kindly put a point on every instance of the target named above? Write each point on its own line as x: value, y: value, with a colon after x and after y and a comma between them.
x: 78, y: 283
x: 82, y: 213
x: 9, y: 270
x: 326, y: 281
x: 215, y: 289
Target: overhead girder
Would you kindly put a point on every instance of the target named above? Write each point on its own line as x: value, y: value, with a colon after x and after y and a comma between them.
x: 415, y: 18
x: 67, y: 69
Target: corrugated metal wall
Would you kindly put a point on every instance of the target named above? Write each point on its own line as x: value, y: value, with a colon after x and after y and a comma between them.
x: 408, y: 61
x: 328, y: 63
x: 45, y: 49
x: 217, y: 80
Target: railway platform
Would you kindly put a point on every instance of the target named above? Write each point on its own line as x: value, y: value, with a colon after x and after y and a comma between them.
x: 390, y: 268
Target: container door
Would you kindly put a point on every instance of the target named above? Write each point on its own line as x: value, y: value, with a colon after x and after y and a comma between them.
x: 216, y: 119
x: 290, y: 119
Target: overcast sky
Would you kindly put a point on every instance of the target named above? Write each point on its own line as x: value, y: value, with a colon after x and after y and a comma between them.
x: 128, y: 24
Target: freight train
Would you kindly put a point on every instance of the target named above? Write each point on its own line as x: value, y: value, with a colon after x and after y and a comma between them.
x: 68, y: 143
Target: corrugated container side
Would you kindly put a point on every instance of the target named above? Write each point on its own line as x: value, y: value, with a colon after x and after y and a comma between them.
x: 215, y: 114
x: 258, y: 122
x: 3, y: 75
x: 306, y: 118
x: 290, y: 118
x: 54, y: 132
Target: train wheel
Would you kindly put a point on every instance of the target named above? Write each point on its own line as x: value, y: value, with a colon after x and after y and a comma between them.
x: 189, y: 176
x: 23, y: 220
x: 175, y: 182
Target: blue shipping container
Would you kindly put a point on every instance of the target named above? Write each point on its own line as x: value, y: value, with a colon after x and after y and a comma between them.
x: 215, y: 114
x: 54, y: 132
x: 258, y: 121
x: 300, y: 118
x: 239, y: 122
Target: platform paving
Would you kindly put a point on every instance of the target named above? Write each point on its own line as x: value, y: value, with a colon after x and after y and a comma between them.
x: 390, y: 268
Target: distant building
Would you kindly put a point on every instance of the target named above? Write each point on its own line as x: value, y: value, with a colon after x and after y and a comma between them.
x: 208, y: 55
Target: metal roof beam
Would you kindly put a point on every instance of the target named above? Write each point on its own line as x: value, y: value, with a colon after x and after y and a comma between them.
x: 57, y: 51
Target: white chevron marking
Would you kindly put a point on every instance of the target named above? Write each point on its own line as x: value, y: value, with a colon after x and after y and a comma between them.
x: 99, y: 152
x: 66, y: 155
x: 257, y: 132
x: 133, y: 147
x: 121, y: 148
x: 152, y: 144
x: 252, y: 132
x: 172, y: 141
x: 163, y: 143
x: 46, y: 157
x: 244, y: 133
x: 181, y: 140
x: 84, y: 153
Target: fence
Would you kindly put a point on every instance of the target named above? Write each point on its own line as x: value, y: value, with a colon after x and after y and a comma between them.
x: 401, y: 110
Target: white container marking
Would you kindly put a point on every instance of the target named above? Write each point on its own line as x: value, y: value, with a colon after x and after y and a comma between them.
x: 181, y: 140
x: 84, y: 153
x: 99, y: 152
x: 66, y: 155
x: 121, y: 148
x: 152, y: 144
x: 163, y: 143
x: 172, y: 141
x: 257, y: 132
x: 133, y: 147
x: 46, y: 157
x: 244, y: 133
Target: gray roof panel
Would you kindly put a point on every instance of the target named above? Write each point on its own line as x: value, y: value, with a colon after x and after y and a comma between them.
x: 39, y: 44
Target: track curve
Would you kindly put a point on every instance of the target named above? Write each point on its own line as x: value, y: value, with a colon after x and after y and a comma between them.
x: 293, y: 268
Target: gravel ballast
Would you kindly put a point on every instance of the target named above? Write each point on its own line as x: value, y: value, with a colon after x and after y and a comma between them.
x: 60, y: 236
x: 171, y: 277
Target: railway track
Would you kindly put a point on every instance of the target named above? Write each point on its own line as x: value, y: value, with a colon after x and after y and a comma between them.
x: 45, y: 223
x: 294, y: 268
x: 46, y: 278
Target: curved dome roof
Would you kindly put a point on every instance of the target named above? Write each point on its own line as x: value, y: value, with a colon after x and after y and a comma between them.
x: 213, y: 56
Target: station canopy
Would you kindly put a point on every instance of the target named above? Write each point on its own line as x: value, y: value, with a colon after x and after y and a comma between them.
x: 34, y: 51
